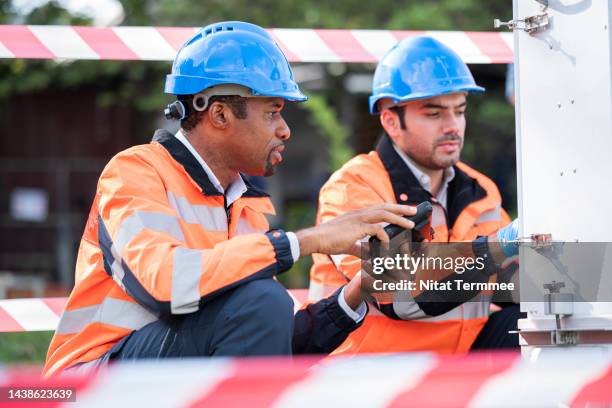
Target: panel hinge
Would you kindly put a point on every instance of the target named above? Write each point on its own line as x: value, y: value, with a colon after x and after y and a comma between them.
x: 563, y: 338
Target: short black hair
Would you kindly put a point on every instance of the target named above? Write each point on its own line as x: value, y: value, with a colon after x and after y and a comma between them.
x: 236, y: 103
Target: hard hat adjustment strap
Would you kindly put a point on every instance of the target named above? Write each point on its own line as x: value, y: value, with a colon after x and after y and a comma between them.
x: 180, y: 109
x: 201, y: 100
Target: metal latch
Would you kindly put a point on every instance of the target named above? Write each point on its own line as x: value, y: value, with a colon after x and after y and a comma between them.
x: 557, y: 303
x: 536, y: 241
x: 530, y: 25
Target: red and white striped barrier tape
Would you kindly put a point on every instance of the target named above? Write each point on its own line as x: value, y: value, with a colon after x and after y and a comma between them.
x: 299, y: 45
x: 579, y: 379
x: 38, y: 314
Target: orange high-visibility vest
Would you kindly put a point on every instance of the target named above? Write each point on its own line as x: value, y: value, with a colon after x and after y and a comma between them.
x: 381, y: 176
x: 159, y: 240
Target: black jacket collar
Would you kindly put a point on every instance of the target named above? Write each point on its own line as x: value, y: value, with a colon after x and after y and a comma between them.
x: 462, y: 190
x: 183, y: 156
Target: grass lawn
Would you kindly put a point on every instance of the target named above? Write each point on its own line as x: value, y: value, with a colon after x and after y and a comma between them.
x: 25, y: 347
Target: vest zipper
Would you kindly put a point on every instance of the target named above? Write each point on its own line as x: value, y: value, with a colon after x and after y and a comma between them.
x: 434, y: 201
x: 228, y: 214
x: 448, y: 227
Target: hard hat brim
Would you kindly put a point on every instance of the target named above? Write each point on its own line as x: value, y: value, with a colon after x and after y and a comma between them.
x: 190, y: 85
x: 373, y: 100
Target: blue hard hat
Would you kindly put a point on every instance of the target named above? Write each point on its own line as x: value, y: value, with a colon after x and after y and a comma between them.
x: 419, y: 67
x: 233, y: 52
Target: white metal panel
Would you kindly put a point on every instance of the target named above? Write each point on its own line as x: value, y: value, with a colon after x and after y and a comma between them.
x: 564, y: 121
x: 564, y: 127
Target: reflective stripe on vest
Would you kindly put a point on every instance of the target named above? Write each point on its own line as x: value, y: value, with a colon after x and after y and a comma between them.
x: 139, y: 221
x: 187, y: 263
x: 337, y: 259
x: 488, y: 216
x: 211, y: 218
x: 115, y: 312
x: 407, y: 309
x: 244, y: 227
x: 186, y: 270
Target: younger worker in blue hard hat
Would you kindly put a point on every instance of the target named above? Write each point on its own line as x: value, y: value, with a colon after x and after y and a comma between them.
x: 420, y: 93
x: 177, y: 258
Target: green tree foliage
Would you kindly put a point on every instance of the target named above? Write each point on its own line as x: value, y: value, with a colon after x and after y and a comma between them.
x: 24, y: 347
x: 6, y: 12
x: 325, y: 118
x: 53, y: 13
x: 380, y: 14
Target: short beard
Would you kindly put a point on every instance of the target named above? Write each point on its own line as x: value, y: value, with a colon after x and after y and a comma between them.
x: 270, y: 170
x: 446, y: 161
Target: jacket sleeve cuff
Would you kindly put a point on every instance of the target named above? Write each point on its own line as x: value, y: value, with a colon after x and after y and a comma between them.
x: 295, y: 245
x: 339, y: 315
x: 480, y: 247
x: 356, y: 315
x: 282, y: 248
